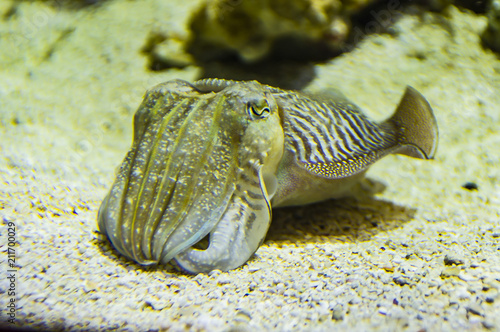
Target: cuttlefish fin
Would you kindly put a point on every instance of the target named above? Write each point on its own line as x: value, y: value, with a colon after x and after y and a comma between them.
x: 237, y: 235
x: 415, y: 126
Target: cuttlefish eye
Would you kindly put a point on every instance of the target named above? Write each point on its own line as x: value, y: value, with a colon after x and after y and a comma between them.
x: 256, y: 111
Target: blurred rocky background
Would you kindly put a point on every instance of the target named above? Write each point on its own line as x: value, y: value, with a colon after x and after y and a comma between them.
x: 275, y: 41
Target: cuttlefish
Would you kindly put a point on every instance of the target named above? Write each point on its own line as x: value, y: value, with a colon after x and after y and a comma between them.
x: 211, y: 158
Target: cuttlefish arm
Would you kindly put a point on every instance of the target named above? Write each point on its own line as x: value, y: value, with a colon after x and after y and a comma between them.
x: 166, y: 195
x: 246, y: 220
x: 236, y: 236
x: 190, y: 173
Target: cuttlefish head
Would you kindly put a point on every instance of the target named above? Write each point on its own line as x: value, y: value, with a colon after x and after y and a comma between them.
x: 203, y: 162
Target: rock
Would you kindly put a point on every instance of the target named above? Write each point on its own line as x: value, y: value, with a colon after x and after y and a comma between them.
x: 491, y: 36
x: 253, y: 30
x: 338, y: 312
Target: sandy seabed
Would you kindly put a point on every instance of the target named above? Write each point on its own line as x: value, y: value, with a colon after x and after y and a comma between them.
x: 423, y: 254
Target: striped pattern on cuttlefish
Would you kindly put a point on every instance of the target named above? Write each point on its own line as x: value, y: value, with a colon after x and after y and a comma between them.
x: 212, y: 158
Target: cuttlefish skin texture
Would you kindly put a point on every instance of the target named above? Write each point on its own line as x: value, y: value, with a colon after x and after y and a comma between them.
x: 212, y: 157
